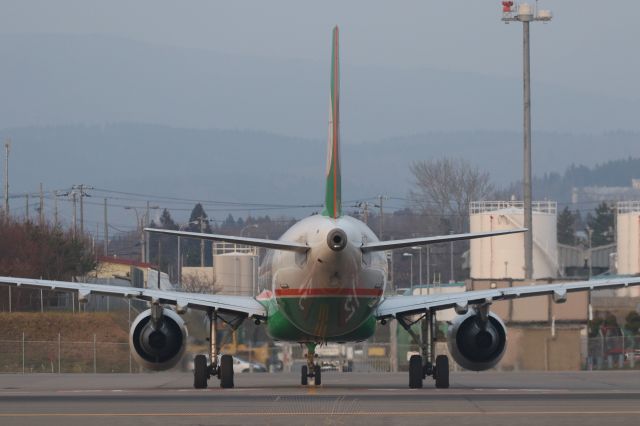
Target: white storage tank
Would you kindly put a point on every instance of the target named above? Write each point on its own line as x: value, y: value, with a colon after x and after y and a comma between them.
x: 503, y: 257
x: 628, y: 238
x: 236, y: 273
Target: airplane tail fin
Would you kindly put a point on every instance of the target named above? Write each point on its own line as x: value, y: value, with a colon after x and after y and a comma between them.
x: 333, y: 194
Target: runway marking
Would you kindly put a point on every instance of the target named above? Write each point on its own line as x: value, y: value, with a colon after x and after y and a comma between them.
x: 330, y: 413
x: 390, y: 390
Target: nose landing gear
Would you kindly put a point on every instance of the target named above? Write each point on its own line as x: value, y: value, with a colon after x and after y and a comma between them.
x: 311, y: 370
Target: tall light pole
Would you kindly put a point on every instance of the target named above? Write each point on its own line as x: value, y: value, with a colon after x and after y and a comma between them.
x: 525, y: 14
x: 410, y: 255
x: 419, y: 248
x: 7, y: 148
x: 138, y: 224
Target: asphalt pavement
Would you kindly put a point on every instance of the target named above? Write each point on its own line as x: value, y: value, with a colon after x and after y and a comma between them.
x: 489, y: 398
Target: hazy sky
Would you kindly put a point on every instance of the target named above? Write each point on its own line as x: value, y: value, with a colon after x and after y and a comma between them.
x: 590, y: 46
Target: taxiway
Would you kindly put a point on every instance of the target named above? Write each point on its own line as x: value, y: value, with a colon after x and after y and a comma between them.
x: 531, y: 398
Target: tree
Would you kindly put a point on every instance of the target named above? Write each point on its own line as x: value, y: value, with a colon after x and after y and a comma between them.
x: 633, y: 323
x: 601, y: 225
x: 198, y: 221
x: 198, y: 283
x: 446, y: 187
x: 566, y: 228
x: 32, y: 251
x: 166, y: 221
x: 166, y: 244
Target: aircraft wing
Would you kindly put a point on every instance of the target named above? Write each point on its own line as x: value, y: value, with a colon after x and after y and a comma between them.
x: 422, y: 241
x: 404, y: 305
x: 256, y: 242
x: 243, y: 305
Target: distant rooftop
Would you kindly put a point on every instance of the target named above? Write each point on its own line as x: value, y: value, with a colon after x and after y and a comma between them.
x: 475, y: 207
x: 628, y: 206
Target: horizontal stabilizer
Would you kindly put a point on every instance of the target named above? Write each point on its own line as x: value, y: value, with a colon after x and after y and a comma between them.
x: 254, y: 242
x: 423, y: 241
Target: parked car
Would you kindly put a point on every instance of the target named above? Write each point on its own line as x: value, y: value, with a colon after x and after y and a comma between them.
x: 635, y: 355
x: 241, y: 365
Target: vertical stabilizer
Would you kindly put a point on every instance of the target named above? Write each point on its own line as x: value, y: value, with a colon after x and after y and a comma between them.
x: 333, y: 201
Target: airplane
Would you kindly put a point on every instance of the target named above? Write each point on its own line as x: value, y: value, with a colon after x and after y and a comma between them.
x: 326, y: 282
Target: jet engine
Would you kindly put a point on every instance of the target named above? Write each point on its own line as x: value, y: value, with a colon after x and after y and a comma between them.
x: 477, y: 341
x: 158, y: 339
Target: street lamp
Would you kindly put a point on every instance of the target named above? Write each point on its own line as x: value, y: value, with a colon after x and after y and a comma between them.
x: 411, y: 273
x: 139, y: 226
x: 590, y: 235
x: 144, y: 251
x: 525, y: 14
x: 419, y: 248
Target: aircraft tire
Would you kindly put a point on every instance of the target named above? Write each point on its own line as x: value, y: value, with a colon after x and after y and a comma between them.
x: 317, y: 375
x: 226, y: 371
x: 304, y: 379
x: 200, y: 372
x: 442, y: 372
x: 415, y: 372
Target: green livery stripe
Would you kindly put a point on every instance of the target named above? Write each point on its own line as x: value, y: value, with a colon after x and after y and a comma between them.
x: 322, y: 319
x: 333, y: 201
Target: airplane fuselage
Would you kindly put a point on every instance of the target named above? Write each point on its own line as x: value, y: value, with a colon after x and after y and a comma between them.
x: 328, y: 293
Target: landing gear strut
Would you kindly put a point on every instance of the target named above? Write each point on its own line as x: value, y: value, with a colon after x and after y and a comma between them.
x: 223, y: 369
x: 311, y: 369
x: 426, y: 364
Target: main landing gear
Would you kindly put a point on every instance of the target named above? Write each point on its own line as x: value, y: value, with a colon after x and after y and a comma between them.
x: 311, y: 370
x: 221, y: 368
x: 426, y: 364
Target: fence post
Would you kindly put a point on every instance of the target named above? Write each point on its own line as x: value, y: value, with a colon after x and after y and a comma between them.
x: 94, y: 354
x: 59, y: 352
x: 9, y: 299
x: 23, y: 352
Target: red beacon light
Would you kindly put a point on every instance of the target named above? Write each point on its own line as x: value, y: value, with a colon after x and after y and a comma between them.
x: 506, y: 6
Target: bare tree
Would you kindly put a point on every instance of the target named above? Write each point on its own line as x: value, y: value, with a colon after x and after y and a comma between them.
x: 198, y: 283
x: 445, y: 188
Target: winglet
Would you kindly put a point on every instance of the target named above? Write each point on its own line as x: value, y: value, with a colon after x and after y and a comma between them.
x: 333, y: 194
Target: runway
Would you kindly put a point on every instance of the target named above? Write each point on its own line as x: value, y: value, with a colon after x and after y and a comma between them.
x: 571, y: 398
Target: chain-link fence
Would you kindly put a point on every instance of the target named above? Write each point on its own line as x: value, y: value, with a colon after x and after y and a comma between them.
x: 617, y: 352
x: 60, y: 356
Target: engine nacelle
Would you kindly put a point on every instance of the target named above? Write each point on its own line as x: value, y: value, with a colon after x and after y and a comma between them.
x: 476, y: 344
x: 160, y: 347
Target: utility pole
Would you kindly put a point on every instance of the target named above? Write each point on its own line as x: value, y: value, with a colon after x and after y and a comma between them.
x: 27, y: 206
x: 41, y: 206
x: 81, y: 212
x: 451, y: 260
x: 146, y: 238
x: 143, y: 246
x: 55, y: 208
x: 428, y: 265
x: 525, y: 14
x: 82, y: 188
x: 381, y: 199
x: 179, y: 261
x: 75, y: 219
x: 365, y: 210
x: 201, y: 219
x: 7, y: 148
x: 106, y: 230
